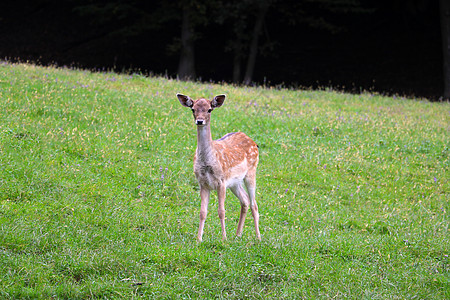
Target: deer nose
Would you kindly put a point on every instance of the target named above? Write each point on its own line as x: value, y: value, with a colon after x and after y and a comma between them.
x: 199, y: 122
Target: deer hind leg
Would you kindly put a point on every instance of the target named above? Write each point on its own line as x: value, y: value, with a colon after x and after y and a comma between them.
x: 204, y: 195
x: 242, y: 195
x: 250, y: 183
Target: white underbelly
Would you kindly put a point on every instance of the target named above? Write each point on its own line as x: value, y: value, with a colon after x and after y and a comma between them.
x: 236, y: 174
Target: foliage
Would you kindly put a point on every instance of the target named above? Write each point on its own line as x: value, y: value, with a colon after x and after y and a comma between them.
x: 234, y: 20
x: 98, y: 199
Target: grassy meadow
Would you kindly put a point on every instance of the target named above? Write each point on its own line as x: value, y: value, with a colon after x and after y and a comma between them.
x: 98, y: 198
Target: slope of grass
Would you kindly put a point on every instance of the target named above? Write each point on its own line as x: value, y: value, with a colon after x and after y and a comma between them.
x: 98, y: 198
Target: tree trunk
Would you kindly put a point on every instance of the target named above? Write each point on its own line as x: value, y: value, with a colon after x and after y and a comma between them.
x: 186, y: 67
x: 237, y: 66
x: 445, y: 32
x: 254, y: 43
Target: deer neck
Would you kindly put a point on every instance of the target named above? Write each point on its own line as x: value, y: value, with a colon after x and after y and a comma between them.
x: 205, y: 150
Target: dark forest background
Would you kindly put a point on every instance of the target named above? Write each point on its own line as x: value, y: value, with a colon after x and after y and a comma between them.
x: 390, y: 47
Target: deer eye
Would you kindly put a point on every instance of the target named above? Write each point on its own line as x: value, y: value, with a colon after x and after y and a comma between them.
x: 209, y: 110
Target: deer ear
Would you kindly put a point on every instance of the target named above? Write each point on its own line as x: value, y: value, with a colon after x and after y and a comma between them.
x: 185, y: 100
x: 217, y: 101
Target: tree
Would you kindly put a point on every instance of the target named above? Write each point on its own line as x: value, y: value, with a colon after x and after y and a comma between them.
x: 245, y: 20
x: 186, y: 67
x: 445, y: 32
x: 115, y: 24
x: 194, y: 15
x: 124, y: 19
x: 262, y: 10
x: 233, y: 15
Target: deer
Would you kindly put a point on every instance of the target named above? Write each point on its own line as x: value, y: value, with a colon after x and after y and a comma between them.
x: 229, y: 162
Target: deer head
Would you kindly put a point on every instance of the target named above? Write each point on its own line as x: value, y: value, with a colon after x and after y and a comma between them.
x: 201, y: 108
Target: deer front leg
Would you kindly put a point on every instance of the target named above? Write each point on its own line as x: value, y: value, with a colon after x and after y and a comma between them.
x: 221, y: 192
x: 204, y: 195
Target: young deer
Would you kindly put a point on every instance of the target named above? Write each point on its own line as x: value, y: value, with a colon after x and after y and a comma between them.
x: 228, y: 162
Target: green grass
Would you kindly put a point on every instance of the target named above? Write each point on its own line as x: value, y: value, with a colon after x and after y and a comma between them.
x: 98, y: 197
